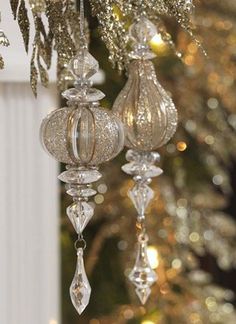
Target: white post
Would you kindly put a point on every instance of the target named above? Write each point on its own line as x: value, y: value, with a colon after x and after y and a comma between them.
x: 29, y: 217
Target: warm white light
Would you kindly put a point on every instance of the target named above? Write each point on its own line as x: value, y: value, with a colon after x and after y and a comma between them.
x: 156, y: 40
x: 147, y: 322
x: 53, y: 321
x: 153, y: 256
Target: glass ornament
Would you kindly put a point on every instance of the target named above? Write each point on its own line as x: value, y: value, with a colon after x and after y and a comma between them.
x: 82, y: 135
x: 146, y: 110
x: 86, y: 135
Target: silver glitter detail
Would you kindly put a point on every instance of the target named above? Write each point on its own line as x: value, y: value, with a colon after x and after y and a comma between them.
x: 54, y: 134
x: 108, y: 138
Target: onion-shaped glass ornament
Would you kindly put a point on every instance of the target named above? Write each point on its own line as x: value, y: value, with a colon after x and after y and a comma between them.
x: 147, y: 111
x: 82, y: 135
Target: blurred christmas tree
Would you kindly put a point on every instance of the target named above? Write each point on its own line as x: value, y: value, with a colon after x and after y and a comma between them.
x: 187, y: 220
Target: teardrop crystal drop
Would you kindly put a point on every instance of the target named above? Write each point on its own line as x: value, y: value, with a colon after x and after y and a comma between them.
x: 143, y: 294
x: 80, y: 289
x: 80, y: 213
x: 142, y: 275
x: 146, y: 110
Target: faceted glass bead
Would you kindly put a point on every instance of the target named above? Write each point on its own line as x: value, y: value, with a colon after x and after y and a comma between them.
x: 80, y: 214
x: 80, y: 176
x: 72, y: 94
x: 146, y: 110
x: 76, y: 191
x: 143, y: 294
x: 84, y: 65
x: 90, y: 95
x: 94, y: 95
x: 142, y: 31
x: 148, y: 157
x: 141, y: 195
x: 147, y: 171
x: 80, y: 289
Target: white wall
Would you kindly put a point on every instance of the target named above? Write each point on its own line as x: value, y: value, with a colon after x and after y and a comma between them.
x: 29, y: 220
x: 29, y: 213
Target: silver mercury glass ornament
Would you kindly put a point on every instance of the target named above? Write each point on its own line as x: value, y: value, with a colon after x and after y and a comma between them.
x: 150, y: 120
x: 83, y: 135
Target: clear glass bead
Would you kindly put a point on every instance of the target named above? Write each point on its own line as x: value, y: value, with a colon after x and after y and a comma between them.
x: 80, y: 213
x: 80, y: 176
x: 94, y: 95
x: 80, y: 289
x: 73, y: 94
x: 90, y: 95
x: 84, y: 65
x: 148, y: 157
x: 75, y: 190
x: 147, y: 171
x: 146, y: 110
x: 142, y: 31
x: 141, y: 195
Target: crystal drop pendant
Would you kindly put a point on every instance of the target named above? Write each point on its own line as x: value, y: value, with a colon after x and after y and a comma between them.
x: 80, y: 289
x: 141, y: 195
x: 80, y: 214
x: 142, y: 275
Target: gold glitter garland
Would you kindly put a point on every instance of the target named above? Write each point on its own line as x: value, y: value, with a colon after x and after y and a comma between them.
x: 1, y: 62
x: 114, y: 16
x: 23, y: 22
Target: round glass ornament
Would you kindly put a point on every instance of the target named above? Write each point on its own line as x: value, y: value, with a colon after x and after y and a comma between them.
x: 84, y: 135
